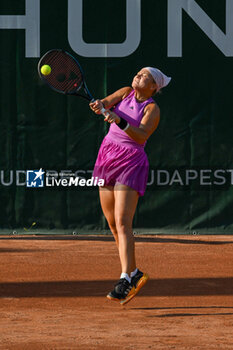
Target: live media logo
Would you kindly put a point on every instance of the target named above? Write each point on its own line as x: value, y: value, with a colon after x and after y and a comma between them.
x: 38, y: 178
x: 35, y: 178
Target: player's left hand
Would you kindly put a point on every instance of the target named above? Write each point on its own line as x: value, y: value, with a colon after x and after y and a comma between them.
x: 112, y: 117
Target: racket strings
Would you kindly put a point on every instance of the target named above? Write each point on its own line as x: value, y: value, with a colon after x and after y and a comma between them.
x: 65, y: 73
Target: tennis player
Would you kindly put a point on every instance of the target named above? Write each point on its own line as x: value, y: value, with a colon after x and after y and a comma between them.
x: 123, y: 164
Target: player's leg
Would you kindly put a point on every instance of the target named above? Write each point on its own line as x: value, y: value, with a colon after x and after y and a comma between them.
x: 126, y: 200
x: 125, y: 205
x: 107, y: 201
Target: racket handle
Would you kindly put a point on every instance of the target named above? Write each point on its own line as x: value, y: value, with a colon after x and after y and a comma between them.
x: 104, y: 112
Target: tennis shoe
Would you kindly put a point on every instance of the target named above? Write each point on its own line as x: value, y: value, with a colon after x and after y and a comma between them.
x: 137, y: 282
x: 121, y: 290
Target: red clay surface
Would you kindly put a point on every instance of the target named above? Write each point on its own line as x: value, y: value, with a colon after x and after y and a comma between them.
x: 53, y: 290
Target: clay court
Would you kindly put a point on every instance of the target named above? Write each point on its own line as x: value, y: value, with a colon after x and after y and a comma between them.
x: 53, y: 294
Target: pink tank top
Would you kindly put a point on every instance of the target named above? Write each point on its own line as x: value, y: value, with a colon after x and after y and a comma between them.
x: 132, y: 111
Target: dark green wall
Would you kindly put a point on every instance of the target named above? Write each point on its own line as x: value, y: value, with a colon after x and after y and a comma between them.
x: 43, y: 129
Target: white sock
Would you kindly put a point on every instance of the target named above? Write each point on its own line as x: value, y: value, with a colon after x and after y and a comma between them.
x: 134, y: 273
x: 126, y: 276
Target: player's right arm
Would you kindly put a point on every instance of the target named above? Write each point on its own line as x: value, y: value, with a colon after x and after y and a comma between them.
x: 111, y: 100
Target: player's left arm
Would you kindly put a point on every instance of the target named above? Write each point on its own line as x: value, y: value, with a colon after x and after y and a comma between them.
x: 148, y: 125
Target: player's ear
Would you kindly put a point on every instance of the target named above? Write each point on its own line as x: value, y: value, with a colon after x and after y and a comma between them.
x: 154, y: 87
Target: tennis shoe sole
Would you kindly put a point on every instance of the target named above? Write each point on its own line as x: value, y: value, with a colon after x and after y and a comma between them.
x: 134, y: 291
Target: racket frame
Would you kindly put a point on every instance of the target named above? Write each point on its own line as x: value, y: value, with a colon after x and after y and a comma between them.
x: 83, y: 85
x: 88, y: 96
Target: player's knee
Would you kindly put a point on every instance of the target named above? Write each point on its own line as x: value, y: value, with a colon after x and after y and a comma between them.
x: 123, y: 224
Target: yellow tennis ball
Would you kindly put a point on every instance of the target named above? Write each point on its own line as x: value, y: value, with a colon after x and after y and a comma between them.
x: 45, y: 69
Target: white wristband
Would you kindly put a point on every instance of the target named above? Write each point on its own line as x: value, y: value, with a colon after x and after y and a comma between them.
x: 127, y: 126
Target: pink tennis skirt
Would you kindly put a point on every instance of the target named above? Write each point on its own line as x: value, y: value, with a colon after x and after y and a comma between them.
x: 123, y: 164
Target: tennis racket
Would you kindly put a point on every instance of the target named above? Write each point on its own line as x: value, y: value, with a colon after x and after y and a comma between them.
x: 66, y: 75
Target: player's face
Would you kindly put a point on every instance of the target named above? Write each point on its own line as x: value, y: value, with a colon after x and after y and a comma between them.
x: 143, y: 80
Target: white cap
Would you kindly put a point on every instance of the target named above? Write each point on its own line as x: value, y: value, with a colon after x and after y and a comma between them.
x: 161, y: 79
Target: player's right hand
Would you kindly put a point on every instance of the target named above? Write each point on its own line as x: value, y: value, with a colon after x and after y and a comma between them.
x: 96, y: 106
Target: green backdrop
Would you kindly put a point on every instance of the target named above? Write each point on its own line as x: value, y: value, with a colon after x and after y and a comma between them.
x: 40, y: 128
